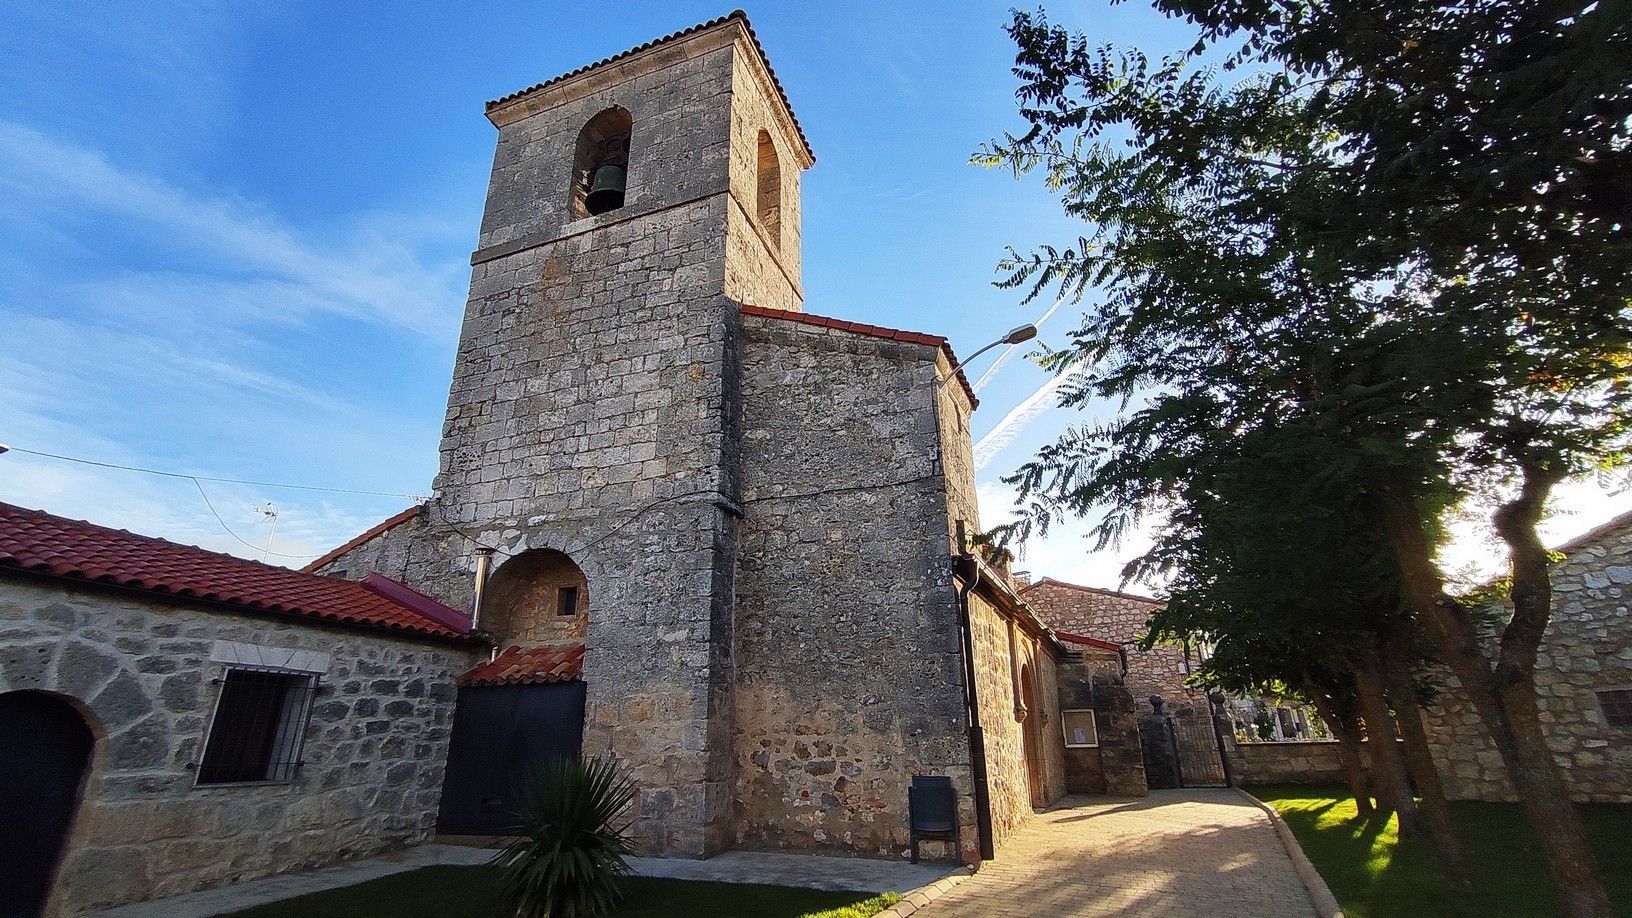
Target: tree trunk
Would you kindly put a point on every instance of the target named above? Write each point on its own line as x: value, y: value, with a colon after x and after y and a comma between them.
x: 1507, y: 709
x: 1387, y: 765
x: 1419, y: 759
x: 1347, y: 732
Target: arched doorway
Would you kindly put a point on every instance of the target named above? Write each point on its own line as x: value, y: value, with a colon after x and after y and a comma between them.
x: 45, y: 748
x: 538, y: 597
x: 1030, y: 737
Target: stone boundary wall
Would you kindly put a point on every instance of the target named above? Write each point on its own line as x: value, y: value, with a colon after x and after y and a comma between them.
x: 139, y: 670
x: 1587, y: 647
x: 1285, y: 763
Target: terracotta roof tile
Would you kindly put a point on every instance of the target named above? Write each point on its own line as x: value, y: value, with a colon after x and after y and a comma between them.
x: 529, y: 666
x: 364, y: 536
x: 737, y: 15
x: 43, y: 543
x: 872, y: 331
x: 1087, y: 641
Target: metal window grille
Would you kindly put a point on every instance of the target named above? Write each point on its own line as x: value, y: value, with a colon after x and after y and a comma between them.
x: 566, y: 601
x: 258, y: 727
x: 1081, y: 730
x: 1617, y: 707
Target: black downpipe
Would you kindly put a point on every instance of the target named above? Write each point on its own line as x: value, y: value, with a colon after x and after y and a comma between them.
x: 967, y: 568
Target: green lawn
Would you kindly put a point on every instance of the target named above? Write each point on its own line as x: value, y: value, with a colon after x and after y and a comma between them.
x: 470, y: 892
x: 1374, y: 876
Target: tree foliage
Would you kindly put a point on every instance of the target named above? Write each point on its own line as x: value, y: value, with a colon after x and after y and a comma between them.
x: 1385, y: 244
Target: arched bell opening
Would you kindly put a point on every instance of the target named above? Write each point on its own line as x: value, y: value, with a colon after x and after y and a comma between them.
x: 600, y: 171
x: 45, y: 755
x: 539, y: 596
x: 768, y: 193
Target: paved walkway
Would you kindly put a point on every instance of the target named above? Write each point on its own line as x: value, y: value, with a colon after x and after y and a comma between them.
x: 814, y: 872
x: 1202, y: 852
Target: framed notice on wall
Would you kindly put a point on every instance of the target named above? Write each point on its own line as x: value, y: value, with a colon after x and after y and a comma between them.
x: 1080, y: 729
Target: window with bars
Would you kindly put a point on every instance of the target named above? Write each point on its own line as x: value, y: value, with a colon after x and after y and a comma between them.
x: 258, y: 727
x: 1617, y: 707
x: 1081, y: 730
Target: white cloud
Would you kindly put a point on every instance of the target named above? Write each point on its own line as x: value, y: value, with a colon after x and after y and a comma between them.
x: 251, y: 258
x: 145, y: 324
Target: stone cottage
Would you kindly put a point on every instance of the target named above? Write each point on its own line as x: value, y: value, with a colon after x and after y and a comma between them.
x: 1583, y: 680
x: 678, y: 520
x: 173, y: 719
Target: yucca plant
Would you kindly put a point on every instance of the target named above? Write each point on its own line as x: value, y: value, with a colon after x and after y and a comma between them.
x: 569, y: 861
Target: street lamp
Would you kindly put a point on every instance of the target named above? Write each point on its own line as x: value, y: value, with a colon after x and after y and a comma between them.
x: 1016, y: 335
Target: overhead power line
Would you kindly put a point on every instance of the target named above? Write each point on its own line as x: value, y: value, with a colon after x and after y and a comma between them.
x: 211, y: 478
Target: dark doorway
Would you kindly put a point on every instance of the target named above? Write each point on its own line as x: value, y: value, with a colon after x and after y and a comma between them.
x: 499, y: 732
x: 45, y: 747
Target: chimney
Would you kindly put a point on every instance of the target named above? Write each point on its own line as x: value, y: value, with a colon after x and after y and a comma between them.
x: 1021, y: 578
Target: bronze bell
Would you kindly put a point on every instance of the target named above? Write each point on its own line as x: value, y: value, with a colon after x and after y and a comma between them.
x: 606, y: 189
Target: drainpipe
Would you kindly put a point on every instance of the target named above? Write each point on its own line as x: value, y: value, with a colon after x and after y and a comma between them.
x: 966, y: 567
x: 484, y: 563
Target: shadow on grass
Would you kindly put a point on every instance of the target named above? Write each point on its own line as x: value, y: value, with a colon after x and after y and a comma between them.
x: 1374, y: 875
x: 472, y: 892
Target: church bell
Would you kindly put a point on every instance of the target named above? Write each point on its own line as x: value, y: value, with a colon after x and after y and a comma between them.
x: 606, y: 189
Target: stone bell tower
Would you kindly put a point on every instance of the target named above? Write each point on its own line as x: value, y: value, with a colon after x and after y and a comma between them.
x: 593, y: 407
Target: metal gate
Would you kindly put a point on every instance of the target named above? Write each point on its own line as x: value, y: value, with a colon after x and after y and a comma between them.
x: 1196, y: 742
x: 499, y: 733
x: 44, y: 748
x: 1181, y: 750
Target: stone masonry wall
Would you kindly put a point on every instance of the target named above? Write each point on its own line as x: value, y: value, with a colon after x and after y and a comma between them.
x: 1285, y: 763
x: 847, y: 649
x: 1116, y: 766
x: 760, y: 269
x: 1117, y: 617
x: 592, y: 413
x: 141, y: 671
x: 1587, y: 647
x: 1008, y: 775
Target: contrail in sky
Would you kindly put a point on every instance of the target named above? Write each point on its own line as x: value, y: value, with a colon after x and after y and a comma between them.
x: 1024, y: 413
x: 1003, y: 358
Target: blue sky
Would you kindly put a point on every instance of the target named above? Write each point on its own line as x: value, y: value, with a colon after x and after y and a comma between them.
x: 234, y: 237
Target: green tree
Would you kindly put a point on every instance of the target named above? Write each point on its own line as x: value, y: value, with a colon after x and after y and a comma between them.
x: 1405, y: 222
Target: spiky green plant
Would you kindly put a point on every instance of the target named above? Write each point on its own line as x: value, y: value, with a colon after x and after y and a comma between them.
x: 569, y: 861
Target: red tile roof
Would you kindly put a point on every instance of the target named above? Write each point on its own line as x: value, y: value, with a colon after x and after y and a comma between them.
x: 529, y: 666
x: 737, y: 15
x: 43, y: 543
x: 364, y: 536
x: 1087, y: 641
x: 872, y: 331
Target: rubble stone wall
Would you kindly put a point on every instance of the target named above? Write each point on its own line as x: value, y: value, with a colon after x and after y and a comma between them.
x: 1119, y: 618
x: 140, y: 671
x: 1587, y: 648
x: 847, y: 650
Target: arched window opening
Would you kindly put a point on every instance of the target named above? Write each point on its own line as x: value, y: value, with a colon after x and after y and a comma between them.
x: 600, y: 171
x: 537, y: 597
x: 769, y: 193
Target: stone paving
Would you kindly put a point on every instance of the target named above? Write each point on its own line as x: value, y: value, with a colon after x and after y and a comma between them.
x: 1203, y: 851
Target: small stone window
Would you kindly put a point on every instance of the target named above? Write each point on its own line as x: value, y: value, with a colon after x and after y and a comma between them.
x: 258, y: 727
x: 1617, y: 707
x: 1081, y: 730
x: 600, y: 166
x: 768, y: 194
x: 566, y: 601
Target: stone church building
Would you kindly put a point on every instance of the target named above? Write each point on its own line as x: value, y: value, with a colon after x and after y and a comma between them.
x: 678, y: 520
